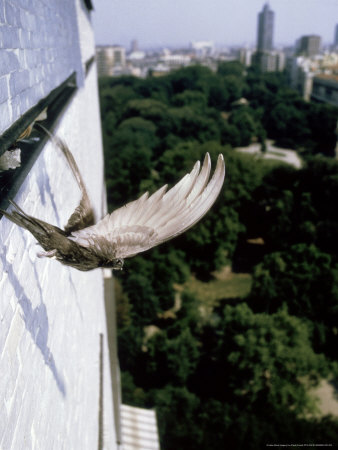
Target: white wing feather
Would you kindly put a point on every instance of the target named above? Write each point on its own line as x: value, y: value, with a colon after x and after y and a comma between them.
x: 149, y: 221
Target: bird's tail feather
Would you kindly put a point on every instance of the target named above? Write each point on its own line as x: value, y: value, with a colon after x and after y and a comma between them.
x: 20, y: 218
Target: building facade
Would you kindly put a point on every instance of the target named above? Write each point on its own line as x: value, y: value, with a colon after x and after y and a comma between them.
x: 245, y: 56
x: 111, y: 59
x: 55, y: 384
x: 325, y: 89
x: 265, y: 57
x: 309, y: 45
x: 335, y: 39
x: 301, y: 71
x: 265, y: 29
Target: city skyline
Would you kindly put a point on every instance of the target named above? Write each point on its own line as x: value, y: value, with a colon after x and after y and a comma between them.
x: 157, y: 23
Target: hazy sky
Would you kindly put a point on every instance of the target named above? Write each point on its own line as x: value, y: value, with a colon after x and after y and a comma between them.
x: 157, y: 23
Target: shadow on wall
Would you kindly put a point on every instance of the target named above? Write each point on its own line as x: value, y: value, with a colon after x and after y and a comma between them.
x: 36, y: 322
x: 45, y: 187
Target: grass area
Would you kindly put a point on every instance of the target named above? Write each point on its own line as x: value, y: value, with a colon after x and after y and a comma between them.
x: 224, y: 285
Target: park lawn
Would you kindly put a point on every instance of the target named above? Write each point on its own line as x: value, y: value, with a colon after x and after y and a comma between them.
x: 225, y: 284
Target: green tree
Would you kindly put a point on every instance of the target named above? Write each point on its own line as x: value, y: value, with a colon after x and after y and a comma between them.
x: 114, y: 98
x: 244, y: 122
x: 141, y: 127
x: 231, y: 68
x: 189, y: 125
x: 297, y: 206
x: 176, y: 411
x: 240, y: 379
x: 131, y: 394
x: 145, y: 304
x: 302, y: 277
x: 196, y: 100
x: 322, y: 121
x: 170, y: 360
x: 261, y: 360
x: 126, y: 170
x: 196, y: 78
x: 288, y: 125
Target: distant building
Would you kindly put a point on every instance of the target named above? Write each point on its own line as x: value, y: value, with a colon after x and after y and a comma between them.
x: 325, y: 89
x: 289, y: 51
x: 268, y: 62
x: 265, y: 29
x: 136, y: 56
x: 265, y: 57
x: 110, y: 59
x: 159, y: 70
x: 245, y: 56
x: 301, y: 70
x: 271, y: 61
x: 309, y: 45
x: 335, y: 40
x: 305, y: 85
x: 134, y: 46
x: 203, y: 48
x: 174, y: 60
x: 280, y: 61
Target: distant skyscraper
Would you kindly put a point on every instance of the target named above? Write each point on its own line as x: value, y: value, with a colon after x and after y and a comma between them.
x: 335, y: 43
x: 265, y: 29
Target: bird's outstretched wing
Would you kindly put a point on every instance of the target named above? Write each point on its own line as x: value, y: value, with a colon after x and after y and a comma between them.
x: 83, y: 216
x: 149, y: 221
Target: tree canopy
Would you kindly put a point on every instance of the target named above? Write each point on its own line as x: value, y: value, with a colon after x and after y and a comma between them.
x: 239, y: 375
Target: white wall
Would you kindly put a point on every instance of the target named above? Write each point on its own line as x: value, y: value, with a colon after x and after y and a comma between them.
x: 39, y: 48
x: 51, y: 316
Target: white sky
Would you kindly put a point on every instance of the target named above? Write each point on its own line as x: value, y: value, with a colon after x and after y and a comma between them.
x: 156, y: 23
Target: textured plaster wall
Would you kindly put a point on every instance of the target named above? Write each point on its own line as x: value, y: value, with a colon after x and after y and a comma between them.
x: 39, y: 48
x: 51, y: 316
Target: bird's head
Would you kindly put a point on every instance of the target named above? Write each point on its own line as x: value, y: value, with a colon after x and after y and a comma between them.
x: 115, y: 264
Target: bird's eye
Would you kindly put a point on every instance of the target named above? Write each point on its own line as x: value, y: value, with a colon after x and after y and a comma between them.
x: 118, y: 264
